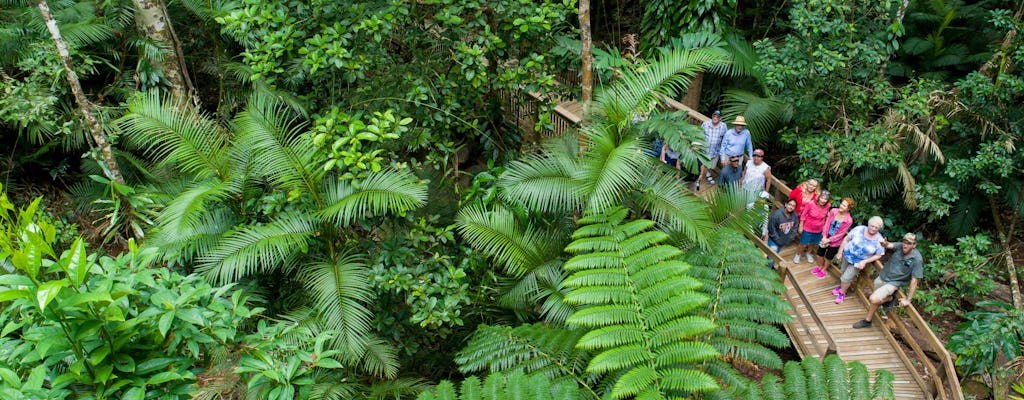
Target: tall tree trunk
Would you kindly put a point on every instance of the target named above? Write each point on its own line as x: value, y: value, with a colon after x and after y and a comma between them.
x: 152, y: 21
x: 587, y: 73
x: 98, y: 137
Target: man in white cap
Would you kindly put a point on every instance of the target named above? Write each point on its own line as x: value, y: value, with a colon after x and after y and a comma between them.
x: 735, y: 141
x: 904, y: 266
x: 714, y: 130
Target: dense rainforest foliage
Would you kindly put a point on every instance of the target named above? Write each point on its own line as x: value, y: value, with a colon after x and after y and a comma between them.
x: 334, y: 200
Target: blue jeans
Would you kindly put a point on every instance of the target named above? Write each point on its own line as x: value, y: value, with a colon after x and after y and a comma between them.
x: 775, y: 248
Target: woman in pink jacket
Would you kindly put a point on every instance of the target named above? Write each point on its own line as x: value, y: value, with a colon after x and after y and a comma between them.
x: 812, y: 219
x: 837, y: 225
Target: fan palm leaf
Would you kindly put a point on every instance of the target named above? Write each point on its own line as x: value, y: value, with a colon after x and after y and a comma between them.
x: 257, y: 248
x: 381, y: 193
x: 176, y: 136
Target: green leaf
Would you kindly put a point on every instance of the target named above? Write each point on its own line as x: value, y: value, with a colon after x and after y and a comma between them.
x: 99, y: 354
x: 163, y: 377
x: 77, y: 262
x: 135, y: 393
x: 124, y: 363
x: 191, y: 315
x: 36, y: 378
x: 10, y: 377
x: 113, y: 314
x: 7, y: 295
x: 87, y: 297
x: 103, y: 372
x: 165, y: 323
x: 48, y: 291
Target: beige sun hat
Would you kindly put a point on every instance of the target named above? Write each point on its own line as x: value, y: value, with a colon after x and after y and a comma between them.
x: 740, y: 121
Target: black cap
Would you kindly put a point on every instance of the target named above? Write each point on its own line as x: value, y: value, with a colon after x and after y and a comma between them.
x: 717, y: 112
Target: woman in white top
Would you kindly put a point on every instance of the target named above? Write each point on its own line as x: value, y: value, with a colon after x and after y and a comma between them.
x: 757, y: 175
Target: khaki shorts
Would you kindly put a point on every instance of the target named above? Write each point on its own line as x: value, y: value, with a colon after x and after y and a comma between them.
x: 882, y: 291
x: 847, y: 272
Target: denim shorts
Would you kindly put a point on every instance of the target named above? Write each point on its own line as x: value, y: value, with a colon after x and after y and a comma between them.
x: 810, y: 238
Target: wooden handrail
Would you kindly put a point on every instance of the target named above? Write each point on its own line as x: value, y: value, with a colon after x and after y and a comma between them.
x: 785, y: 273
x: 947, y: 370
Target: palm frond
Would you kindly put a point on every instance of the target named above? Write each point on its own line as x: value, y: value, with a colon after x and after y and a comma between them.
x: 385, y: 192
x: 399, y: 388
x: 681, y: 135
x: 676, y: 209
x: 543, y: 182
x: 176, y: 135
x: 668, y: 75
x: 270, y: 133
x: 737, y: 208
x: 80, y: 34
x: 340, y: 292
x: 764, y: 114
x: 637, y: 302
x: 257, y: 248
x: 380, y: 358
x: 610, y: 169
x: 182, y: 215
x: 499, y: 234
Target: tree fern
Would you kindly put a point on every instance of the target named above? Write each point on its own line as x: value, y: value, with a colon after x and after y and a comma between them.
x: 746, y: 302
x: 831, y: 380
x: 503, y: 386
x: 637, y: 302
x: 533, y: 348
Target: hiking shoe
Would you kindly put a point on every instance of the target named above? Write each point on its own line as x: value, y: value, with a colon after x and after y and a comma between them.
x: 711, y: 180
x: 840, y: 297
x: 816, y: 271
x: 796, y: 258
x: 862, y: 324
x: 835, y: 292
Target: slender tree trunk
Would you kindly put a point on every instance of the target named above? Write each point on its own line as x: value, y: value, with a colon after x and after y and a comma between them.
x: 152, y: 21
x: 587, y: 73
x: 692, y: 97
x: 902, y: 12
x: 98, y: 137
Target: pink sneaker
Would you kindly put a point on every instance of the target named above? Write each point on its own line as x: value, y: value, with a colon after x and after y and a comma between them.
x: 822, y: 274
x: 816, y: 271
x: 840, y: 297
x: 835, y: 292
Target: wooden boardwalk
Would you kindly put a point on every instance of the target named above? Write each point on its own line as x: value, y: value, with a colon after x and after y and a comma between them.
x: 874, y: 347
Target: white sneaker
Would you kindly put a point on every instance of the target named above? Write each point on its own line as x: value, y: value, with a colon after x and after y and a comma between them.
x: 810, y: 257
x: 796, y: 258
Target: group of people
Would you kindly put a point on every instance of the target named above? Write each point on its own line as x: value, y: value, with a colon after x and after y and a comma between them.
x: 827, y: 233
x: 732, y: 150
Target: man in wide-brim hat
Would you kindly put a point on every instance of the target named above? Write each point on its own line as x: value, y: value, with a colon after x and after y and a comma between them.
x: 736, y: 142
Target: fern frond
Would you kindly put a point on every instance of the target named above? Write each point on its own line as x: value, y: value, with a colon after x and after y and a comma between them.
x: 257, y: 248
x: 385, y: 192
x: 537, y: 349
x: 860, y: 387
x: 340, y: 292
x: 747, y: 351
x: 814, y: 372
x: 836, y: 378
x: 795, y: 383
x: 643, y: 328
x: 883, y: 385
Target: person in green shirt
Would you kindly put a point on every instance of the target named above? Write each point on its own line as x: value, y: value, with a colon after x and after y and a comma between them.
x: 905, y: 266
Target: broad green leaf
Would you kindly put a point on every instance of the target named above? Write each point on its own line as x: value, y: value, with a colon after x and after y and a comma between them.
x: 113, y: 313
x: 124, y: 363
x: 77, y: 262
x: 163, y: 377
x: 9, y: 377
x: 165, y: 323
x: 7, y: 295
x: 103, y: 372
x: 191, y: 315
x: 15, y: 280
x: 154, y: 364
x: 135, y: 393
x: 43, y: 347
x: 49, y: 291
x: 99, y: 354
x: 36, y: 378
x: 88, y: 297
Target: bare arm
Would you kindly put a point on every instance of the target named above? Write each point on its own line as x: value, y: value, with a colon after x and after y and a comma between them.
x: 910, y: 293
x: 767, y: 179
